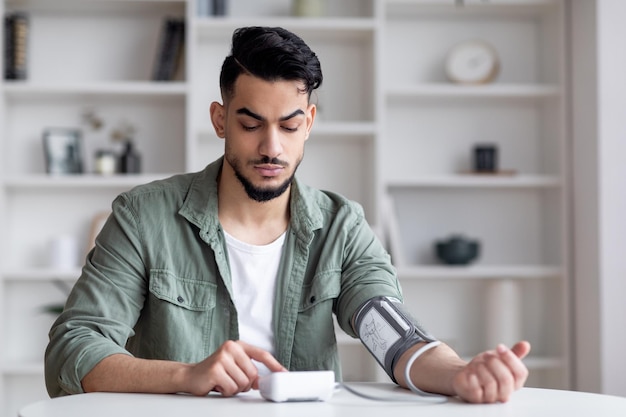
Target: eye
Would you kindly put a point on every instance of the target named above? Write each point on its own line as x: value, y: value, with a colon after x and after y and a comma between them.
x: 249, y: 128
x: 291, y: 126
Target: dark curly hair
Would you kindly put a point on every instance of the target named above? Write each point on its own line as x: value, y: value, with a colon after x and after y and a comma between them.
x: 272, y: 54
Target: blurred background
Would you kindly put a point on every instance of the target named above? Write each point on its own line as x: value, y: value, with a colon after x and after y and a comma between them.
x: 484, y: 139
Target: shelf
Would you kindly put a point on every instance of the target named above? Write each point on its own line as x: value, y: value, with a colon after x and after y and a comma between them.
x: 479, y: 272
x: 23, y: 369
x: 40, y: 275
x: 345, y: 340
x: 100, y: 6
x: 36, y: 182
x: 25, y: 89
x: 490, y: 91
x: 543, y: 363
x: 315, y: 28
x: 478, y: 181
x: 344, y: 129
x: 496, y: 8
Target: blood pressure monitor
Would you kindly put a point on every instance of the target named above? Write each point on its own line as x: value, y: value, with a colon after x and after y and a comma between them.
x: 388, y: 330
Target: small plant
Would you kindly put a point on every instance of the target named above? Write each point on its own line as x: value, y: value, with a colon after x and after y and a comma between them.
x: 124, y: 132
x: 92, y: 119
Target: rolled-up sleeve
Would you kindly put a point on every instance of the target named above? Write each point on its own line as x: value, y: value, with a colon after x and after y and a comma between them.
x: 103, y: 306
x: 367, y: 271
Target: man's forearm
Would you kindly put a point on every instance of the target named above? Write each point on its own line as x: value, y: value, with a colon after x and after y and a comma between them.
x: 123, y: 373
x: 433, y: 371
x: 490, y: 376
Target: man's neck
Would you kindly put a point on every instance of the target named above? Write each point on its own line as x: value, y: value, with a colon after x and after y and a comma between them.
x: 253, y: 222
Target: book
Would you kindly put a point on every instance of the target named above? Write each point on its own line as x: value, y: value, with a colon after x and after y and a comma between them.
x: 170, y: 50
x: 16, y: 32
x: 205, y: 7
x: 8, y: 47
x: 212, y: 7
x: 220, y: 7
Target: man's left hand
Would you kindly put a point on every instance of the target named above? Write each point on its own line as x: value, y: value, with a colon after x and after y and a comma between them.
x: 493, y: 375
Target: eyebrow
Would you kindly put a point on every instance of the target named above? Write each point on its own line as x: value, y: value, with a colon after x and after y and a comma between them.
x: 260, y: 118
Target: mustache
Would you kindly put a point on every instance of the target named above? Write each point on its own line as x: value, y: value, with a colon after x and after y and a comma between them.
x: 268, y: 160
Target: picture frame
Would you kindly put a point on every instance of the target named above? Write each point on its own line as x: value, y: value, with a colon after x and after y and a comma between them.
x: 63, y: 150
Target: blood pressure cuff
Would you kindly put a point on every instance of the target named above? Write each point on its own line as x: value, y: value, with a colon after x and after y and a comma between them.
x: 388, y: 330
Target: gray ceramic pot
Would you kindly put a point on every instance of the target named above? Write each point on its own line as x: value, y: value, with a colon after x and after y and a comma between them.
x: 457, y: 250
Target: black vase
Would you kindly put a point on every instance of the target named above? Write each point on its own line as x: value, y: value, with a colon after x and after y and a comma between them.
x: 130, y: 160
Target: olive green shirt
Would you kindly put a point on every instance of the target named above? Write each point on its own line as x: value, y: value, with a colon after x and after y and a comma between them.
x: 157, y: 284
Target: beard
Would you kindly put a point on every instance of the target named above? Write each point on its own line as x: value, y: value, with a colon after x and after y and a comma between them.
x: 262, y: 194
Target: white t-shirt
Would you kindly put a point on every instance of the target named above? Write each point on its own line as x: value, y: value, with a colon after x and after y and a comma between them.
x: 254, y: 271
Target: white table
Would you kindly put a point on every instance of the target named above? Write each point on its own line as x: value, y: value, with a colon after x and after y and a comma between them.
x: 530, y: 402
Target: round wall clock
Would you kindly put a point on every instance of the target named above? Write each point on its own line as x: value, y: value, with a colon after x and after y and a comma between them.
x: 472, y: 62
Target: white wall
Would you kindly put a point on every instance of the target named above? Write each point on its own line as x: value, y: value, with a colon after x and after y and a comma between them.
x: 612, y: 144
x: 599, y: 145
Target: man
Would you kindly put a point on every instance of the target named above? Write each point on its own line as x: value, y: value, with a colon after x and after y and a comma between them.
x: 203, y: 281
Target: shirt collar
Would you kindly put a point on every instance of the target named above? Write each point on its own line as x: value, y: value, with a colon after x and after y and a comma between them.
x: 200, y: 205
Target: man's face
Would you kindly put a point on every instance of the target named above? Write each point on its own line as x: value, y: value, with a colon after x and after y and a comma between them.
x: 265, y: 125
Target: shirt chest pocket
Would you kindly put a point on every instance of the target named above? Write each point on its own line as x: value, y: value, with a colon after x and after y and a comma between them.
x: 176, y: 318
x: 187, y: 293
x: 324, y: 289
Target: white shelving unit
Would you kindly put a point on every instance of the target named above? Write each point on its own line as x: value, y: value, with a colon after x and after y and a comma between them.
x: 82, y: 55
x: 389, y: 124
x: 518, y: 287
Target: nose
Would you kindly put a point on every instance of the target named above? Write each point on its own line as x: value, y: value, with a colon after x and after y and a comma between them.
x: 271, y: 145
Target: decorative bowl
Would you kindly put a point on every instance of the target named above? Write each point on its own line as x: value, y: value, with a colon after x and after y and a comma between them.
x: 457, y: 250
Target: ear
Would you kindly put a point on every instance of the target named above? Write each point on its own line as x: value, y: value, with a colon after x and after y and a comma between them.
x: 218, y: 118
x: 310, y: 118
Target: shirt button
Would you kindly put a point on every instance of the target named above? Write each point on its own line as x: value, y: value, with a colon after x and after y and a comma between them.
x: 313, y: 298
x: 180, y: 299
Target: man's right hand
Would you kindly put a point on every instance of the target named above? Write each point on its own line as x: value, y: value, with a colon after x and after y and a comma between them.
x: 230, y: 370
